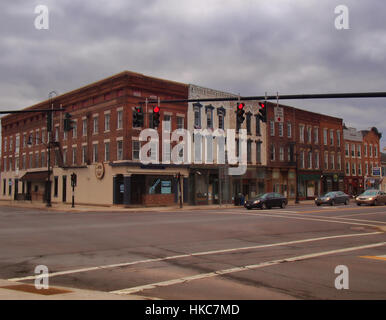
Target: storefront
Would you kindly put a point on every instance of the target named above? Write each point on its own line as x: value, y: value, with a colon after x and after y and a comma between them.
x: 309, y: 184
x: 353, y: 185
x: 332, y: 182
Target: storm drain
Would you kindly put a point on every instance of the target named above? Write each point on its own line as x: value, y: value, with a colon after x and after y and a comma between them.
x: 31, y: 289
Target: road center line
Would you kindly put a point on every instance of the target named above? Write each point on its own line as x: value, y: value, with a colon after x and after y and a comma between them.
x: 125, y: 264
x: 242, y: 268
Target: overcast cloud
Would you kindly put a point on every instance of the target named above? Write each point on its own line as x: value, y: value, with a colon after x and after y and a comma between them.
x: 241, y: 46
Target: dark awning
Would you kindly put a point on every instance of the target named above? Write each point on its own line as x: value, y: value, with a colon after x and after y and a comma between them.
x: 35, y: 176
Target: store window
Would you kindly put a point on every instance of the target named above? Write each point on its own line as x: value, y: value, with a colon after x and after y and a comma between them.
x: 160, y: 185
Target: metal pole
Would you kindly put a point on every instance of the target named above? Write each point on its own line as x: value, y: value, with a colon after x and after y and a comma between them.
x: 180, y: 187
x: 49, y: 166
x: 73, y: 196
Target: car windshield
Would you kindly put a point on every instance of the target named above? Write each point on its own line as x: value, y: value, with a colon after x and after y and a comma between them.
x: 369, y: 193
x: 260, y: 196
x: 329, y: 194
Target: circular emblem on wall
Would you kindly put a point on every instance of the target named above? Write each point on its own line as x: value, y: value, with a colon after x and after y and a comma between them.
x: 99, y: 170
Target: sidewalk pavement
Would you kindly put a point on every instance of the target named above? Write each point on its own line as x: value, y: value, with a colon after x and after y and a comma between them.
x: 116, y: 208
x: 21, y: 291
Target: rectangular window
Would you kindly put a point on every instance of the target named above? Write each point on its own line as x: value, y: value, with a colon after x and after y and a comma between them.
x: 95, y: 125
x: 347, y: 168
x: 316, y: 135
x: 167, y: 124
x: 310, y: 160
x: 181, y: 123
x: 339, y: 161
x: 371, y: 150
x: 289, y: 129
x: 209, y: 119
x: 317, y: 160
x: 375, y: 151
x: 281, y: 154
x: 221, y: 121
x: 74, y: 129
x: 353, y: 151
x: 258, y: 126
x: 272, y: 128
x: 338, y: 138
x: 119, y: 119
x: 107, y: 151
x: 280, y: 129
x: 84, y: 154
x: 359, y: 169
x: 84, y: 127
x: 9, y: 186
x: 136, y: 147
x: 353, y: 167
x: 302, y: 164
x: 367, y: 168
x: 309, y: 135
x: 4, y: 186
x: 107, y: 122
x: 43, y: 159
x: 272, y: 152
x: 301, y: 133
x: 326, y: 161
x: 95, y: 152
x: 57, y: 133
x: 197, y: 118
x: 331, y: 137
x: 74, y: 155
x: 37, y: 138
x: 64, y: 157
x: 359, y: 151
x: 43, y: 136
x: 332, y: 161
x: 258, y: 151
x: 365, y: 150
x: 347, y: 152
x: 249, y: 151
x: 120, y: 150
x: 325, y: 136
x: 36, y: 160
x: 249, y: 123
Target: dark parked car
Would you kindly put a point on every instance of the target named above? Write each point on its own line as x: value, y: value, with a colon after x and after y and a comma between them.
x: 267, y: 201
x: 332, y: 198
x: 372, y: 197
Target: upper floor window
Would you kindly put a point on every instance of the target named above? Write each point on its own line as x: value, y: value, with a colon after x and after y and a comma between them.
x: 95, y: 125
x: 280, y: 129
x: 338, y: 138
x: 325, y: 136
x: 309, y: 135
x: 316, y: 135
x: 84, y: 127
x: 167, y: 123
x: 371, y: 150
x: 209, y: 116
x: 353, y: 150
x: 107, y: 122
x: 365, y: 150
x: 301, y: 133
x: 347, y: 147
x: 331, y: 137
x: 197, y: 115
x: 272, y: 127
x: 119, y: 119
x: 289, y: 130
x: 181, y: 123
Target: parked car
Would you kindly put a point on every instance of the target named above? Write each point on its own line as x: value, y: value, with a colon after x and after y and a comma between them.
x: 267, y: 201
x: 332, y: 198
x: 373, y: 197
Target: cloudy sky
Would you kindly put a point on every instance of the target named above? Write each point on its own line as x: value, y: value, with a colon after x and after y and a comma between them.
x: 246, y: 47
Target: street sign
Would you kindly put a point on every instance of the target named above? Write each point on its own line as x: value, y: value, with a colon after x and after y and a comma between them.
x: 279, y: 114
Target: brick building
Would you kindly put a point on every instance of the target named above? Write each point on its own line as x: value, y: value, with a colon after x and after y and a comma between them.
x: 102, y: 149
x: 304, y: 153
x: 371, y: 158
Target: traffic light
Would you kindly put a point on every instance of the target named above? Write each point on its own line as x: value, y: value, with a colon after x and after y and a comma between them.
x: 67, y: 125
x: 156, y: 115
x: 263, y: 111
x: 138, y: 117
x: 73, y: 179
x: 240, y: 113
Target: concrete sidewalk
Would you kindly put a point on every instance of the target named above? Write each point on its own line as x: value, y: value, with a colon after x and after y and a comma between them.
x: 115, y: 208
x: 21, y: 291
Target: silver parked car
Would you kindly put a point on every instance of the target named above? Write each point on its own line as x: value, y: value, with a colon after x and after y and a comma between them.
x: 373, y: 197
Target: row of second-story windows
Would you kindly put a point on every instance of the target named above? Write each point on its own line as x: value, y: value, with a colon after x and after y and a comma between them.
x: 355, y: 169
x: 353, y: 150
x: 307, y: 134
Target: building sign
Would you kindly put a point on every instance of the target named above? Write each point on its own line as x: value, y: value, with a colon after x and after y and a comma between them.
x: 279, y: 114
x: 166, y: 187
x: 376, y: 171
x: 99, y: 170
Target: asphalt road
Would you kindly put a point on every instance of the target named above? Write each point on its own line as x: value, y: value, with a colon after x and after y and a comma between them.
x: 234, y: 253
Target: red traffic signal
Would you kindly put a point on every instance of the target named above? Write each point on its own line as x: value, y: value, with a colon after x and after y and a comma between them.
x: 156, y: 109
x: 262, y: 104
x: 241, y: 106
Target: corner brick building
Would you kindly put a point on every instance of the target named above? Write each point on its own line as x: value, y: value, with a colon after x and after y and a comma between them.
x: 102, y: 149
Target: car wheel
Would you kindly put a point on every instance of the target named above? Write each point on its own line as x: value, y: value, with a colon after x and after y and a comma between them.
x: 375, y: 203
x: 263, y: 206
x: 283, y: 204
x: 332, y: 203
x: 346, y: 202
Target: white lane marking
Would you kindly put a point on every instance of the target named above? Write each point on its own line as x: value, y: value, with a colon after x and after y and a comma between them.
x: 362, y: 214
x: 125, y: 264
x: 304, y: 218
x: 242, y: 268
x: 334, y: 217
